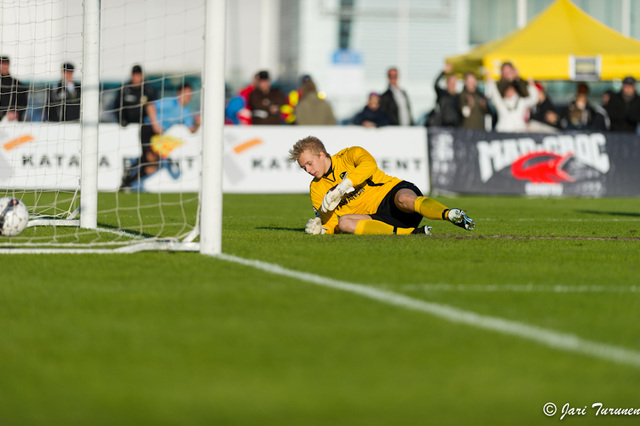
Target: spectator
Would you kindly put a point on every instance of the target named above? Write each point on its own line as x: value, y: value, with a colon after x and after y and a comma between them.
x: 265, y: 101
x: 581, y: 115
x: 395, y: 102
x: 132, y: 97
x: 13, y: 94
x: 372, y: 115
x: 237, y: 110
x: 311, y: 110
x: 511, y: 77
x: 544, y: 116
x: 63, y: 102
x: 161, y: 115
x: 512, y: 109
x: 624, y: 107
x: 447, y: 112
x: 473, y: 104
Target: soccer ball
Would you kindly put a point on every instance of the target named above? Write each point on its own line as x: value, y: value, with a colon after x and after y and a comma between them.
x: 14, y: 216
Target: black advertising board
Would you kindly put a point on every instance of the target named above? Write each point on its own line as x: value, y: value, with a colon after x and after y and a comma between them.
x: 589, y: 164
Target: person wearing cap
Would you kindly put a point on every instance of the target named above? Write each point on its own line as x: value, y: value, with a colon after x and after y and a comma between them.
x: 132, y: 98
x: 162, y: 114
x: 265, y: 101
x: 13, y: 94
x: 624, y: 107
x: 63, y: 100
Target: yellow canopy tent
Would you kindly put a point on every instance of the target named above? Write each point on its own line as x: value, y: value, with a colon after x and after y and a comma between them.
x: 562, y: 43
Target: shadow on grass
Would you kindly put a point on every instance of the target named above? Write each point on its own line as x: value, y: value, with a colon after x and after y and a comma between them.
x: 277, y: 228
x: 610, y: 213
x: 126, y: 231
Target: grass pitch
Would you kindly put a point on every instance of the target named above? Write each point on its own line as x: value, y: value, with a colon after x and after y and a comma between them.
x: 180, y: 338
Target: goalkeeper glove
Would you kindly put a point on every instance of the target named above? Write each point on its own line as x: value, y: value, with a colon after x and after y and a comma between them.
x: 314, y: 226
x: 334, y: 195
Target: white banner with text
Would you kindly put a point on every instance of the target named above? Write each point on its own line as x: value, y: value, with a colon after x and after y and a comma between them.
x: 255, y: 158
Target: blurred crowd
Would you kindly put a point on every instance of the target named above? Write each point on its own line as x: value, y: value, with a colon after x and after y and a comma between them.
x: 510, y: 104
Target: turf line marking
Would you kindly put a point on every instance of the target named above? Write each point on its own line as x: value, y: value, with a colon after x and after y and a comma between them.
x: 519, y: 288
x: 556, y: 340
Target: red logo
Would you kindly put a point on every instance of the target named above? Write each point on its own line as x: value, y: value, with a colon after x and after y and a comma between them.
x: 542, y: 167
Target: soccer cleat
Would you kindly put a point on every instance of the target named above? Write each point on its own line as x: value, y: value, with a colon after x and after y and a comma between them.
x: 459, y: 218
x: 423, y: 230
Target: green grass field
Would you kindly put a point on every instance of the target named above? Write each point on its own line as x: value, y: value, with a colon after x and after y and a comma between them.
x: 162, y: 338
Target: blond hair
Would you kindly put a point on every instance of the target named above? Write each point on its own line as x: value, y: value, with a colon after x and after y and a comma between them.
x: 310, y: 143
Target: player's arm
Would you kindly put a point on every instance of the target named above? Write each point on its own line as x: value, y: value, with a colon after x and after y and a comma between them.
x: 152, y: 113
x: 323, y: 222
x: 361, y: 164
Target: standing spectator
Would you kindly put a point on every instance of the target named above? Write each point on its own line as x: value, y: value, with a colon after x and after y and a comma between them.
x: 513, y: 109
x: 311, y: 110
x: 63, y: 103
x: 624, y: 107
x: 161, y: 115
x: 511, y: 77
x: 372, y: 115
x: 447, y: 112
x: 132, y: 97
x: 473, y: 104
x: 582, y: 115
x: 395, y: 102
x: 544, y: 116
x: 265, y: 101
x: 13, y: 94
x: 237, y: 110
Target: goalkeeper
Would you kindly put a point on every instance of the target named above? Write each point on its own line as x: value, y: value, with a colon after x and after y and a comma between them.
x: 350, y: 194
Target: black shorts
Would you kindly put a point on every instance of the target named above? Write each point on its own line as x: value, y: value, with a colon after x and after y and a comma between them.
x: 390, y: 214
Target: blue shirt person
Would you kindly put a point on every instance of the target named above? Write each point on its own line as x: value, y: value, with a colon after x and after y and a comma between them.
x: 161, y: 115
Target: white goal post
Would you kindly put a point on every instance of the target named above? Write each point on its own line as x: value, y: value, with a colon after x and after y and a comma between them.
x: 69, y: 174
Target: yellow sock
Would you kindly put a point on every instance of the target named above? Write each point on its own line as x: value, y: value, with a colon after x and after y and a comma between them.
x: 429, y: 208
x: 375, y: 227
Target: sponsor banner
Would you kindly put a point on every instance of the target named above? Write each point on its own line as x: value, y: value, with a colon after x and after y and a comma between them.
x: 591, y: 164
x: 255, y: 158
x: 47, y: 156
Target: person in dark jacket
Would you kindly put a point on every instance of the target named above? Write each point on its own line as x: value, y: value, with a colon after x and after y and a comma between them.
x: 132, y: 97
x: 63, y: 100
x: 372, y: 115
x: 624, y: 107
x: 448, y: 111
x: 13, y: 94
x: 395, y: 102
x: 582, y: 115
x: 265, y: 101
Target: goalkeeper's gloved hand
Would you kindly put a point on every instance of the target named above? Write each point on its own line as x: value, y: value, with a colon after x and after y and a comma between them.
x: 314, y: 226
x: 334, y: 195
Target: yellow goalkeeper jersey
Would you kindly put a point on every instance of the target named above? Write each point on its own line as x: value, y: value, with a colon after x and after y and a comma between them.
x: 370, y: 186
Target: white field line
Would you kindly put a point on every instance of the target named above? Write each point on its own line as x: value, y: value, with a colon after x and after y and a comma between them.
x: 557, y: 340
x: 517, y: 288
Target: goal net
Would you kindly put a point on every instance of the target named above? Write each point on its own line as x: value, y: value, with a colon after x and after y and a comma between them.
x: 80, y: 80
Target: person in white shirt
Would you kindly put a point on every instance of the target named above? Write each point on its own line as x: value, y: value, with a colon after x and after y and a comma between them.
x: 512, y: 109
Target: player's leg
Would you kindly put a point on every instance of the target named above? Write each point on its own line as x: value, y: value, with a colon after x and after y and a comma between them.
x: 408, y: 201
x: 363, y: 224
x: 349, y: 222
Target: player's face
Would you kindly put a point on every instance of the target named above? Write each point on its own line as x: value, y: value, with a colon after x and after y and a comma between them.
x: 312, y: 163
